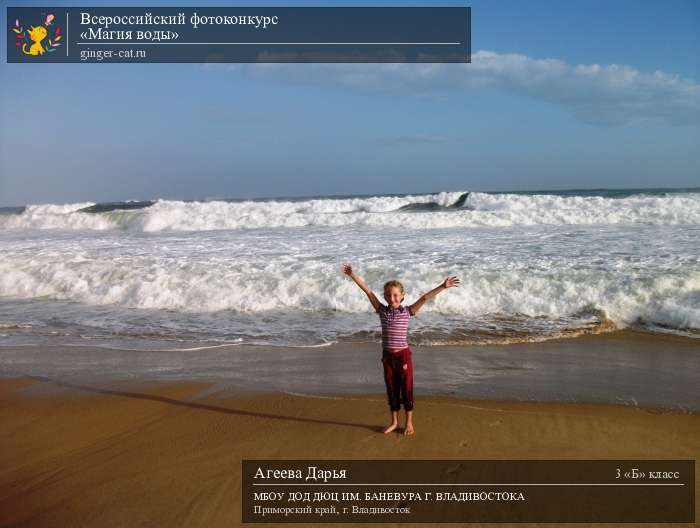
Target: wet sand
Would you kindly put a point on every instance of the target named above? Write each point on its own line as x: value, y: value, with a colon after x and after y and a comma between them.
x: 625, y: 368
x: 144, y: 453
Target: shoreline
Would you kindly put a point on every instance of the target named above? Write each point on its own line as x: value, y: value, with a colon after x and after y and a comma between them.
x: 627, y: 368
x: 169, y: 453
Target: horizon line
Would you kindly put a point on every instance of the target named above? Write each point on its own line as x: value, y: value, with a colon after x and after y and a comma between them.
x: 370, y: 195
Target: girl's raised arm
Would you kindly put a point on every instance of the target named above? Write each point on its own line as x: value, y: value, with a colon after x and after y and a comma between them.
x: 449, y: 282
x: 347, y: 269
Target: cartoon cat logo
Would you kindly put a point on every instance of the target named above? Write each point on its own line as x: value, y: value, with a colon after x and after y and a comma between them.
x: 31, y: 40
x: 36, y: 34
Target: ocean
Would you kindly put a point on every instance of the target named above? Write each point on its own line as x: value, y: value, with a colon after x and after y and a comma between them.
x: 166, y: 275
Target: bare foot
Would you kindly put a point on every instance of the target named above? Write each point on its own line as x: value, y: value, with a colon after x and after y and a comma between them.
x: 408, y: 430
x: 390, y: 428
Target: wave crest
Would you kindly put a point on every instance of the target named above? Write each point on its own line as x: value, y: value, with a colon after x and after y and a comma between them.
x: 429, y: 211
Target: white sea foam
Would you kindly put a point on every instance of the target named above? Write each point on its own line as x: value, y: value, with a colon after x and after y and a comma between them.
x: 534, y: 263
x: 214, y: 285
x: 480, y: 209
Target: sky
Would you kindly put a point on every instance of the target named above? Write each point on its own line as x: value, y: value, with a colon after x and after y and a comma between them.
x: 559, y: 95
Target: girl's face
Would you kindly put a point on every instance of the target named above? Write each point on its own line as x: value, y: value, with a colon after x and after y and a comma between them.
x: 393, y: 296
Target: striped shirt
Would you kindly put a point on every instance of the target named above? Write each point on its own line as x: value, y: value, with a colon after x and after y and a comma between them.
x: 394, y: 327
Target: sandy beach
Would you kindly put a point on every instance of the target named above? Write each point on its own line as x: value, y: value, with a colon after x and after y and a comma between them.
x: 169, y: 453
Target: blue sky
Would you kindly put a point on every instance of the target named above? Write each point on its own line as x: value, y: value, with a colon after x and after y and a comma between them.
x: 559, y: 95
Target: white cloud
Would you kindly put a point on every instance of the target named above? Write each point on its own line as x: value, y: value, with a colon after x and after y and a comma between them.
x: 604, y: 95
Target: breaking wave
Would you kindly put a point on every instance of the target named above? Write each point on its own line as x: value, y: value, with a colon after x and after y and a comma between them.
x: 437, y: 211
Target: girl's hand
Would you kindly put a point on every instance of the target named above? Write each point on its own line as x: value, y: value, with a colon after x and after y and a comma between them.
x: 347, y: 269
x: 450, y: 282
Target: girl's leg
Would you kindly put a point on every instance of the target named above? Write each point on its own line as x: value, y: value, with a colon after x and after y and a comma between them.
x: 394, y: 422
x: 393, y: 391
x: 407, y: 391
x: 409, y: 423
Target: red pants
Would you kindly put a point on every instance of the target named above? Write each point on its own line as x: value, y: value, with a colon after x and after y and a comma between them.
x: 398, y: 376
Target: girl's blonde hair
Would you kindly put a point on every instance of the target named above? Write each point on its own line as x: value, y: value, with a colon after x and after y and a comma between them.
x: 394, y: 284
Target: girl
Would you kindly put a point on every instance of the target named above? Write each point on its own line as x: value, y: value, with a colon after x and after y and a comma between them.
x: 396, y: 355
